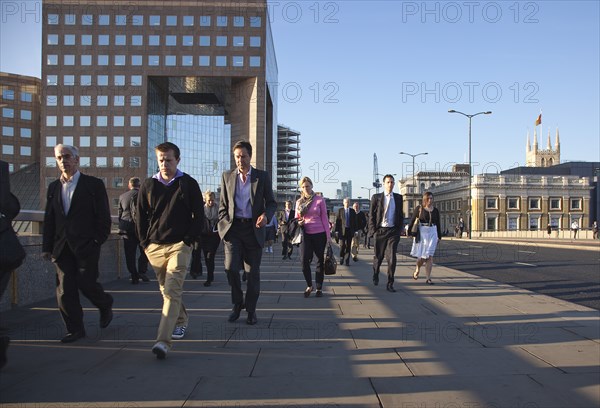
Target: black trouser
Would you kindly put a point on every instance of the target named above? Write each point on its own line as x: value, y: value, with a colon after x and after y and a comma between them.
x: 78, y: 274
x: 386, y: 245
x: 346, y: 245
x: 313, y: 244
x: 131, y: 245
x: 243, y: 251
x: 210, y: 244
x: 286, y: 245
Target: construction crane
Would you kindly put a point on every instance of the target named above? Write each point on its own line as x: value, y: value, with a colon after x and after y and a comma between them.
x: 376, y: 182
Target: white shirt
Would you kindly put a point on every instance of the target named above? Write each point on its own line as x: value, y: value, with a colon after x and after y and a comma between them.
x: 67, y: 189
x: 388, y: 215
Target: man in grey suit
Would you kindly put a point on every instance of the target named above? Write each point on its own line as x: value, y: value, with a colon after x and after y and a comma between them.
x: 246, y: 205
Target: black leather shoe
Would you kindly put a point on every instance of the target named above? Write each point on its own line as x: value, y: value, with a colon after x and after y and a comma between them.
x: 207, y: 283
x: 251, y: 320
x: 235, y: 312
x: 390, y: 287
x: 71, y: 337
x: 355, y: 258
x: 348, y: 263
x: 106, y: 317
x: 375, y: 279
x: 341, y: 261
x: 144, y: 277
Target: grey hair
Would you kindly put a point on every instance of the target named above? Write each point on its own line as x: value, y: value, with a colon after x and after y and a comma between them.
x: 74, y: 151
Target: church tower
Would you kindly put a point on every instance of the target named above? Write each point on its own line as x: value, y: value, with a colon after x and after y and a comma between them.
x: 536, y: 157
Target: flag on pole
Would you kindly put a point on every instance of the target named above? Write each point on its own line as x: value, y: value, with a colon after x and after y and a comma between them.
x: 538, y: 121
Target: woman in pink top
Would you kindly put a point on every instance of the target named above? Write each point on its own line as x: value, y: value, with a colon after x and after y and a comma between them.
x: 312, y: 217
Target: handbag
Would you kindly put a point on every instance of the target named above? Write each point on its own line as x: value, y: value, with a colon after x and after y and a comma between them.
x: 12, y: 253
x: 415, y: 231
x: 330, y: 264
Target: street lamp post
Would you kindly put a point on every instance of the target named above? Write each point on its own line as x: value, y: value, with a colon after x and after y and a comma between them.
x: 413, y: 171
x: 470, y: 169
x: 369, y: 190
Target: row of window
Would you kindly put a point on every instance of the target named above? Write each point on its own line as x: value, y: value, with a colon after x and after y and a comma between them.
x: 154, y: 60
x: 100, y: 100
x: 10, y: 150
x: 10, y: 132
x: 101, y: 121
x: 117, y: 182
x: 155, y: 20
x: 450, y: 205
x: 100, y: 141
x: 155, y: 40
x: 101, y: 162
x: 534, y: 222
x: 101, y: 80
x: 9, y: 95
x: 9, y: 113
x: 534, y: 203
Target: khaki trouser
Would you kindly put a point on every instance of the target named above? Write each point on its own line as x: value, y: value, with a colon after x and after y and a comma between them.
x: 170, y: 263
x: 355, y: 245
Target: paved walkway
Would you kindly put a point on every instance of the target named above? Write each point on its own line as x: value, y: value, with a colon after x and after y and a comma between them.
x: 463, y: 342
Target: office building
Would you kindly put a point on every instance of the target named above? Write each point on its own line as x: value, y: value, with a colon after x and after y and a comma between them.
x: 120, y: 77
x: 288, y: 164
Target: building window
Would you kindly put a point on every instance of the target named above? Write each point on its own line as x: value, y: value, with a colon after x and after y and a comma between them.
x: 238, y: 21
x: 52, y: 80
x: 221, y: 41
x: 137, y: 40
x: 68, y: 140
x: 154, y: 20
x: 8, y: 131
x: 119, y: 100
x: 154, y: 40
x: 104, y: 39
x: 26, y: 133
x: 69, y: 39
x: 85, y: 80
x: 136, y: 100
x: 135, y: 141
x: 25, y: 150
x: 153, y: 60
x: 221, y: 61
x: 491, y: 223
x: 85, y: 100
x: 120, y: 39
x: 68, y: 121
x: 204, y: 41
x: 137, y: 20
x: 187, y: 40
x: 86, y: 60
x: 68, y: 100
x: 87, y: 19
x: 8, y: 149
x: 255, y: 42
x: 51, y: 100
x: 51, y: 141
x: 102, y: 80
x: 555, y: 221
x: 512, y: 203
x: 69, y: 59
x: 534, y: 204
x: 513, y: 223
x: 187, y: 60
x: 204, y: 60
x: 136, y: 60
x: 452, y: 205
x: 102, y: 60
x: 118, y: 141
x: 238, y: 41
x: 101, y: 141
x: 491, y: 203
x: 134, y: 162
x: 117, y: 182
x: 120, y: 60
x: 575, y: 204
x: 136, y: 80
x: 255, y: 61
x: 52, y: 59
x: 51, y: 121
x: 50, y: 162
x: 171, y: 21
x: 238, y: 61
x: 534, y: 222
x: 118, y: 162
x: 221, y: 21
x: 85, y: 161
x: 69, y: 80
x: 188, y: 21
x: 120, y: 20
x: 84, y: 141
x: 104, y: 20
x: 102, y: 100
x: 52, y: 39
x: 119, y: 121
x: 170, y: 60
x: 52, y: 19
x: 85, y: 121
x: 86, y: 39
x: 255, y: 21
x: 135, y: 121
x: 101, y: 121
x: 204, y: 21
x: 119, y: 80
x: 555, y: 203
x: 8, y: 94
x: 101, y: 162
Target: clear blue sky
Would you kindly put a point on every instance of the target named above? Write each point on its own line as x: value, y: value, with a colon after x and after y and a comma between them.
x: 364, y: 77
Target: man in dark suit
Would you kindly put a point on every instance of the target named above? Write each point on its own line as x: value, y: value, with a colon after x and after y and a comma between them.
x: 345, y: 226
x: 285, y: 218
x: 385, y: 224
x: 246, y: 205
x: 361, y: 224
x: 131, y: 243
x: 76, y: 224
